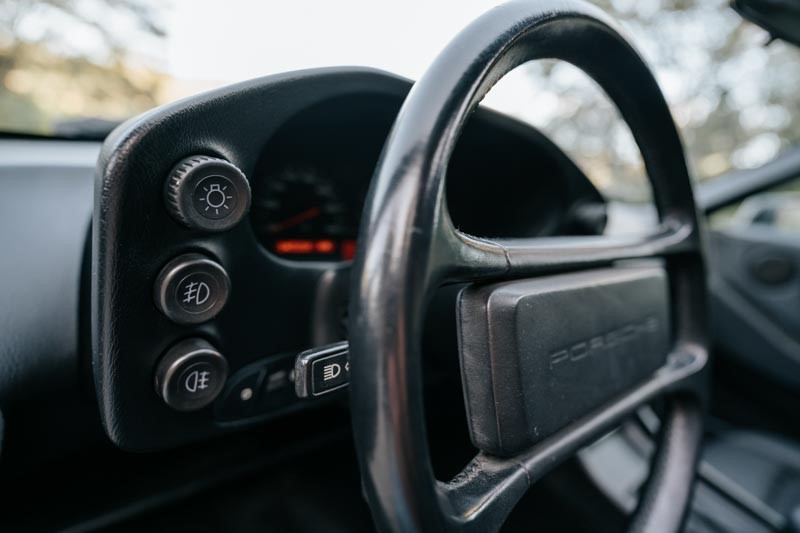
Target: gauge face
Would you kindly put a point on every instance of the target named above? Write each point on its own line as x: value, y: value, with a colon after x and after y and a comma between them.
x: 299, y: 215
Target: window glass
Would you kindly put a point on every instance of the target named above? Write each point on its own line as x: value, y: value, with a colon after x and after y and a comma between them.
x: 78, y: 66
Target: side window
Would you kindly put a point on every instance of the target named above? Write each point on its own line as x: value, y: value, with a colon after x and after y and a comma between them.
x: 777, y: 210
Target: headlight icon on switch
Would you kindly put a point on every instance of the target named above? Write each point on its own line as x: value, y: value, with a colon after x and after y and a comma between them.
x: 215, y: 197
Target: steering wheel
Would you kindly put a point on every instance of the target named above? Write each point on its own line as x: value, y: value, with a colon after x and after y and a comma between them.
x: 560, y: 338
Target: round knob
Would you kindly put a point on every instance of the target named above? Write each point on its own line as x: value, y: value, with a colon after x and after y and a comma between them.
x: 191, y: 375
x: 191, y: 289
x: 207, y: 193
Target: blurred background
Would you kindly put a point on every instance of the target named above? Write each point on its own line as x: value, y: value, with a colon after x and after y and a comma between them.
x: 75, y: 68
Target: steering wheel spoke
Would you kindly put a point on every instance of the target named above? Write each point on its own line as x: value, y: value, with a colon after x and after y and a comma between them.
x: 476, y: 259
x: 483, y: 494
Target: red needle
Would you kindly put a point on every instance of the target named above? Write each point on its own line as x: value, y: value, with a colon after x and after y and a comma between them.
x: 299, y: 218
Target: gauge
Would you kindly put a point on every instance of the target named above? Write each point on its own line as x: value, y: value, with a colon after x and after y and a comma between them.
x: 298, y: 214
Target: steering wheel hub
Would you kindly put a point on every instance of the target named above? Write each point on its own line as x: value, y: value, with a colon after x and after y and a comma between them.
x: 537, y: 355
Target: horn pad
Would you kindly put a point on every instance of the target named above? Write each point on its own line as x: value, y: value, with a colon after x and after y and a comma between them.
x: 538, y: 354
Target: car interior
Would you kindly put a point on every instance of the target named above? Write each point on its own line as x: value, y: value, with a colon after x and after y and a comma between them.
x: 341, y: 299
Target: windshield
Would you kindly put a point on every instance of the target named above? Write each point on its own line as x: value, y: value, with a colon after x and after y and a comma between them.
x: 75, y: 67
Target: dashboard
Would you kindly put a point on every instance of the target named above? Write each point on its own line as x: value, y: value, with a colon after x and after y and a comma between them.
x: 306, y: 143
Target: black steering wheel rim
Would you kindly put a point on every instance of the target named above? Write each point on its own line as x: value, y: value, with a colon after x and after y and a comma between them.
x: 408, y: 247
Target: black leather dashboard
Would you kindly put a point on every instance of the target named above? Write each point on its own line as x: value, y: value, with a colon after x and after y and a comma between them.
x: 271, y: 313
x: 45, y: 206
x: 46, y: 202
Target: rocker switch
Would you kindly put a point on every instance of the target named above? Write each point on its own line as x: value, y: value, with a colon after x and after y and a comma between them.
x: 320, y: 371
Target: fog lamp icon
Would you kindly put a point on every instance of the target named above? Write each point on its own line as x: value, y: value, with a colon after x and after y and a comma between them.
x: 196, y: 293
x: 197, y: 381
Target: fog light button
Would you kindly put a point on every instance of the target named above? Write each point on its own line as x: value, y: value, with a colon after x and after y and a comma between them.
x: 191, y: 289
x: 191, y: 375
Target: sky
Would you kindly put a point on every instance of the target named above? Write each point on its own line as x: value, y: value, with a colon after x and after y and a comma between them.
x: 401, y: 36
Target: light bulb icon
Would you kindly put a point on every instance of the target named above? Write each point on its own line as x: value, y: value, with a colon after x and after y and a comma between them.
x: 215, y: 197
